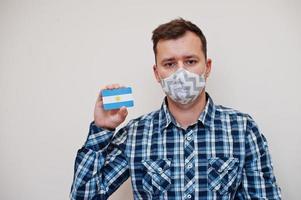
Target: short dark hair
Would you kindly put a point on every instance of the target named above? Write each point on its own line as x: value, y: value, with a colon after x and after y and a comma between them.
x: 175, y: 29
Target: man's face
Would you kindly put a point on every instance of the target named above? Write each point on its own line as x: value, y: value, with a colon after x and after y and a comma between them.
x: 184, y: 52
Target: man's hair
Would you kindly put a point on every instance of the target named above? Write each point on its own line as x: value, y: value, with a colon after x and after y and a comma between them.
x: 176, y: 29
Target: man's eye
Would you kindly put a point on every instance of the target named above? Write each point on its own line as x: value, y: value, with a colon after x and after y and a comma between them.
x: 191, y: 62
x: 169, y: 65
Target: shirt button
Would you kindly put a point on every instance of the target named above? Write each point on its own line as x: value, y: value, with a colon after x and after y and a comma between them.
x: 189, y: 166
x: 188, y: 196
x: 160, y: 169
x: 188, y: 138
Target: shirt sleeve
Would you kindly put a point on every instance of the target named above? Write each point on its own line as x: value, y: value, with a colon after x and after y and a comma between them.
x: 100, y: 165
x: 258, y: 180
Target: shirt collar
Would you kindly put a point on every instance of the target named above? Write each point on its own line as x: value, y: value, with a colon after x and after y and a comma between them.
x: 206, y: 117
x: 208, y: 114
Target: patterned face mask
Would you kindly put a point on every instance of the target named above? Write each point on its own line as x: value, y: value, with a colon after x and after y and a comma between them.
x: 183, y: 86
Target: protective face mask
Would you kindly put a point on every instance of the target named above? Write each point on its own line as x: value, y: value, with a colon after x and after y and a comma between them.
x: 183, y: 86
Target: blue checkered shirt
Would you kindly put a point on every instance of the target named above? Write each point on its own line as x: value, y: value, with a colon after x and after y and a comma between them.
x: 222, y: 156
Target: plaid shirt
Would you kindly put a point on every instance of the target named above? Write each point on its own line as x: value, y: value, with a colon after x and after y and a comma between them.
x: 222, y: 156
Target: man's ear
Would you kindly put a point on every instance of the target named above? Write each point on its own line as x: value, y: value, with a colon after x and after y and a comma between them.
x: 208, y: 68
x: 155, y: 69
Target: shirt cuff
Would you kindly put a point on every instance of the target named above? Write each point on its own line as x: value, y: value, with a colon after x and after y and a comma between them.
x: 98, y: 138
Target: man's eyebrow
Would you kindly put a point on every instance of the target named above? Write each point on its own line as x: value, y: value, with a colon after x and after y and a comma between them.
x: 167, y: 59
x: 191, y: 56
x: 185, y: 57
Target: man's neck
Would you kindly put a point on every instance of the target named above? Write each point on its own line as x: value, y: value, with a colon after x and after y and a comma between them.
x: 187, y: 114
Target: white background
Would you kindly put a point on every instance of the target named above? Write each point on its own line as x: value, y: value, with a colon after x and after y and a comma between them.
x: 55, y: 55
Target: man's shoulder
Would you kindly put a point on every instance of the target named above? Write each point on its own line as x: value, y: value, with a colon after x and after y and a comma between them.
x: 236, y: 117
x: 224, y: 111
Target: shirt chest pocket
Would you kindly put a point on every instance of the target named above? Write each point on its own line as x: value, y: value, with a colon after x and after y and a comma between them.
x: 222, y: 173
x: 156, y: 179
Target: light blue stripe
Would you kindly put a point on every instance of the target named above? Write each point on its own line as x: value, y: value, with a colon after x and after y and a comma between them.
x: 119, y: 91
x: 110, y: 106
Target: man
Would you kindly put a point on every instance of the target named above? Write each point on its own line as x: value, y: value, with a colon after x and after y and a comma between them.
x: 188, y: 149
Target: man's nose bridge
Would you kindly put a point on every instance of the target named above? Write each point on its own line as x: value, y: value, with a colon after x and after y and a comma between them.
x: 181, y: 64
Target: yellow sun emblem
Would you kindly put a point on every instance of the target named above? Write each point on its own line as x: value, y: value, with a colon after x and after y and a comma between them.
x: 117, y: 98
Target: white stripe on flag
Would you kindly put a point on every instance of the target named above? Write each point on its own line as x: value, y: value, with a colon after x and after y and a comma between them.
x: 117, y: 98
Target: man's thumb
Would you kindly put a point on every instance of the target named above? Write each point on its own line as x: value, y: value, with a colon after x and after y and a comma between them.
x: 123, y: 112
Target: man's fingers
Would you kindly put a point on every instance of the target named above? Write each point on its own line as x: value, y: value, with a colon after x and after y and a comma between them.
x: 109, y: 87
x: 115, y: 86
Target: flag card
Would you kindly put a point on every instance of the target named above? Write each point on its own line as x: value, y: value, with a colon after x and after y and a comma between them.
x: 116, y: 98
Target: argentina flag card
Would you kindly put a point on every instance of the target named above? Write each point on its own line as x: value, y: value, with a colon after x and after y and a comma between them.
x: 116, y: 98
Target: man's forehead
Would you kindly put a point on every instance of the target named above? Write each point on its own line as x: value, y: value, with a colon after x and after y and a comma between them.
x: 188, y: 36
x: 188, y: 44
x: 179, y: 52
